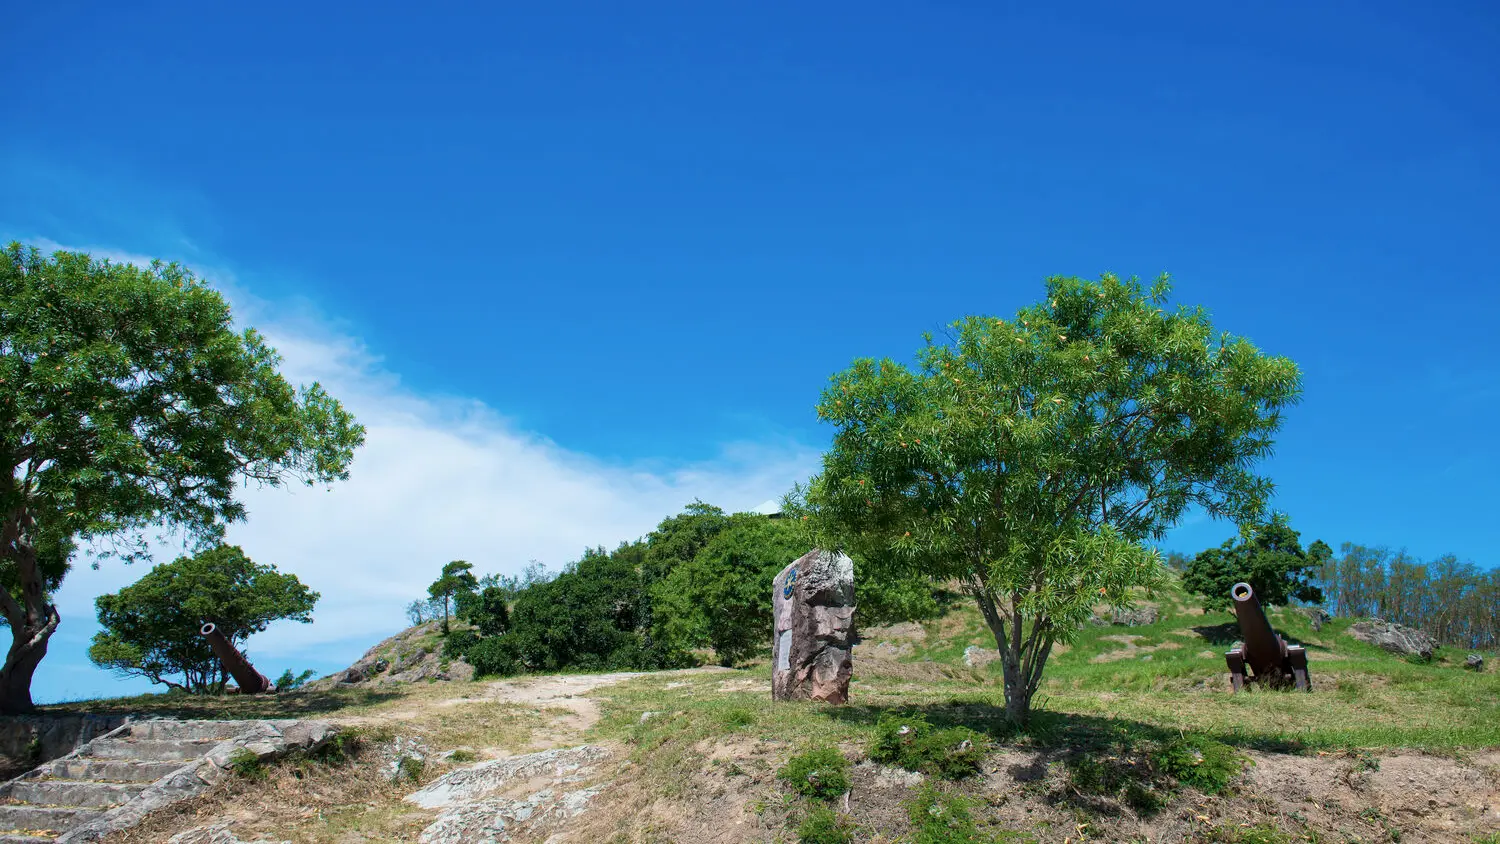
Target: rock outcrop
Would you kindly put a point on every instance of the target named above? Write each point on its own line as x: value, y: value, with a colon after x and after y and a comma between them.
x: 1395, y: 638
x: 413, y: 655
x: 496, y: 800
x: 813, y: 612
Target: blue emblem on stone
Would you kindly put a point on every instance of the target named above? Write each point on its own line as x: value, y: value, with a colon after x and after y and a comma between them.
x: 791, y: 577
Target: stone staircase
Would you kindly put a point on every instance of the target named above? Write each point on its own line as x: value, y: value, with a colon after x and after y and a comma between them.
x: 47, y: 803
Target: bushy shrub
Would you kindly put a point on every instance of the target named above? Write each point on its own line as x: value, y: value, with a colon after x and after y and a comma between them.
x: 914, y: 744
x: 458, y: 642
x: 1111, y: 775
x: 289, y: 681
x: 822, y: 826
x: 941, y: 817
x: 493, y: 656
x: 822, y: 774
x: 1200, y: 763
x: 246, y: 764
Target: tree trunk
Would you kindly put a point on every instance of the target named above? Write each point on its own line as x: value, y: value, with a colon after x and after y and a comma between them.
x: 27, y: 648
x: 31, y: 620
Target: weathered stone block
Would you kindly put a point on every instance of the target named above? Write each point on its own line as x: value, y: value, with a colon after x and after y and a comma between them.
x: 813, y: 611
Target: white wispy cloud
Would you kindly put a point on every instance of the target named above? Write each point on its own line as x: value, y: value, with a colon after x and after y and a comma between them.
x: 439, y: 478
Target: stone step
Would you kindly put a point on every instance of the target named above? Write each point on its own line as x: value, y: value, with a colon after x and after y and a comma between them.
x: 150, y: 750
x: 92, y: 795
x: 111, y: 770
x: 13, y: 838
x: 21, y: 818
x: 188, y: 729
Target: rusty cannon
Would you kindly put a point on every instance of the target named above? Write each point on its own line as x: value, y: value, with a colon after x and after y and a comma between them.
x: 1271, y: 661
x: 251, y: 682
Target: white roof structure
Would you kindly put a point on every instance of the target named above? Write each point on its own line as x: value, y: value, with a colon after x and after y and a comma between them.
x: 770, y: 508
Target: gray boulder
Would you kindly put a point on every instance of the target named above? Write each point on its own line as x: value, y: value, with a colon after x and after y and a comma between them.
x: 1395, y: 638
x: 1129, y: 617
x: 1316, y: 616
x: 1474, y: 662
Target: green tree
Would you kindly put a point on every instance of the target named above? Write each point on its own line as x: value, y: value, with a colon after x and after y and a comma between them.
x: 1030, y: 459
x: 457, y: 582
x: 151, y: 627
x: 721, y: 597
x: 585, y: 617
x: 129, y: 400
x: 1269, y: 557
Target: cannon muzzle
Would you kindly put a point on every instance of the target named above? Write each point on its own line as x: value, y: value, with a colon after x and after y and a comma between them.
x: 251, y: 682
x: 1270, y: 660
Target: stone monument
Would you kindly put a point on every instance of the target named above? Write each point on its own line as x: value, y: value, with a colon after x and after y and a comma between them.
x: 813, y: 611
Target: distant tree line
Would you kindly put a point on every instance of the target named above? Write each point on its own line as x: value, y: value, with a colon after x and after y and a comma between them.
x: 1458, y: 603
x: 699, y: 584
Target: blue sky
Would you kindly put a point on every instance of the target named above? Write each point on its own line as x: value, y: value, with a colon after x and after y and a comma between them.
x: 621, y: 247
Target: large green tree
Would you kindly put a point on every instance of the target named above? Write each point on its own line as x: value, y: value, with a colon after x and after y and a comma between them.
x: 151, y: 627
x: 127, y: 400
x: 1269, y: 557
x: 1029, y: 459
x: 721, y: 597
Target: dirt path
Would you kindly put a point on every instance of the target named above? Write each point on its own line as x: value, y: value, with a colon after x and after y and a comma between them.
x: 565, y: 691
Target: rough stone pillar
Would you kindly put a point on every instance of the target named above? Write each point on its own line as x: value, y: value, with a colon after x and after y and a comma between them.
x: 813, y: 608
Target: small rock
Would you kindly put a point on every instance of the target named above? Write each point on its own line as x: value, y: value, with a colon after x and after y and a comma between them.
x: 1474, y: 662
x: 647, y: 716
x: 1135, y: 616
x: 308, y: 735
x: 977, y: 657
x: 1316, y: 616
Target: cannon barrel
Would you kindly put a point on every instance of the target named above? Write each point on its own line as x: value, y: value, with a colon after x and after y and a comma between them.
x: 250, y: 681
x: 1270, y: 660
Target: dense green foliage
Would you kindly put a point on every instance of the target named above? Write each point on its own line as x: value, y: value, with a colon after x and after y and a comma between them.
x: 912, y: 743
x: 492, y: 657
x: 489, y: 612
x: 822, y: 774
x: 701, y: 580
x: 721, y: 597
x: 127, y: 400
x: 946, y: 817
x: 1201, y: 763
x: 824, y: 826
x: 151, y: 627
x: 1457, y: 602
x: 1029, y: 459
x: 1269, y: 557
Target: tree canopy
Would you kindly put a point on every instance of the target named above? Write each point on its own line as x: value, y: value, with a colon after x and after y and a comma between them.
x: 1269, y: 557
x: 151, y: 627
x: 456, y: 583
x: 127, y: 400
x: 1028, y: 459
